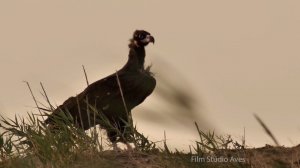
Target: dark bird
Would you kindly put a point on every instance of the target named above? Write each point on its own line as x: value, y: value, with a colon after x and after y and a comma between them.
x: 114, y: 96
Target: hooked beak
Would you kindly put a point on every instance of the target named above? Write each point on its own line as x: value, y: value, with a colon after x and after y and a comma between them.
x: 150, y: 38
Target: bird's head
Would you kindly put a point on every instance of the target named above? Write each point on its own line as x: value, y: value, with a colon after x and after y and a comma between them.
x: 142, y: 38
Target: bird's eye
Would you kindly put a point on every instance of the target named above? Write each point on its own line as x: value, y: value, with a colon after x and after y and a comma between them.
x: 141, y: 36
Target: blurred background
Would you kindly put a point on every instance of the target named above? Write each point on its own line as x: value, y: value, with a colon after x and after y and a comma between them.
x: 216, y: 62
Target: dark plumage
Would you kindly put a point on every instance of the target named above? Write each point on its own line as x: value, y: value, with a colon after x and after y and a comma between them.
x: 137, y: 84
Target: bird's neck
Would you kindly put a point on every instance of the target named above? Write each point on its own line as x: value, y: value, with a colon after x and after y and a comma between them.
x: 136, y: 58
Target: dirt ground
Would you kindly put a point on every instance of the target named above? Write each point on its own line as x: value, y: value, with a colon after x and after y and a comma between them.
x: 265, y: 157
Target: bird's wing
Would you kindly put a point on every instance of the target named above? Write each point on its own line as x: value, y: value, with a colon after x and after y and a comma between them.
x: 96, y: 91
x: 136, y: 87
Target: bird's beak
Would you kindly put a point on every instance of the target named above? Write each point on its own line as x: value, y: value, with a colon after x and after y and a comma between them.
x: 150, y: 38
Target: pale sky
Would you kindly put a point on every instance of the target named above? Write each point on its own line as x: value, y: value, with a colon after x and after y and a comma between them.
x: 238, y: 57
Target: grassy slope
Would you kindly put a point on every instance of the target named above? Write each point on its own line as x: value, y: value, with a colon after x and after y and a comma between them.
x: 263, y: 157
x: 33, y: 145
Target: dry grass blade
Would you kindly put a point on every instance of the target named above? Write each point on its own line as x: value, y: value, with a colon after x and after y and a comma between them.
x: 121, y: 91
x: 88, y: 111
x: 33, y: 97
x: 165, y: 144
x: 46, y: 96
x: 80, y: 117
x: 35, y: 101
x: 244, y: 138
x: 266, y: 129
x: 86, y: 78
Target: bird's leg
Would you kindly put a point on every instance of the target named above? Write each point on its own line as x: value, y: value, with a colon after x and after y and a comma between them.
x: 129, y: 147
x: 115, y: 147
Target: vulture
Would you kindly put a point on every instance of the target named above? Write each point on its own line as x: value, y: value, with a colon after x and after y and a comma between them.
x: 109, y: 101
